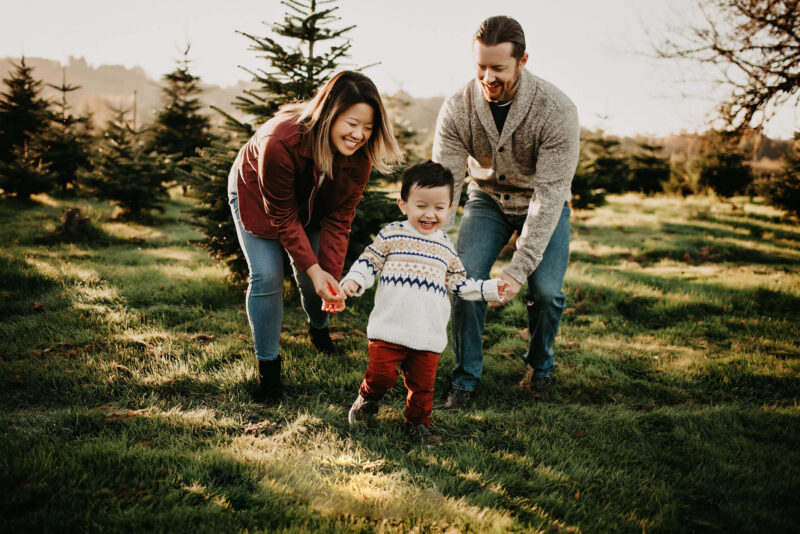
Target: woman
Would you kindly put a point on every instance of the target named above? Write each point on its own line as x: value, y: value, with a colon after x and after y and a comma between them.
x: 295, y: 185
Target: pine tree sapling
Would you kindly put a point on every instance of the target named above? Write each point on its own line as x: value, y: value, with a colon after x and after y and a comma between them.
x: 601, y: 169
x: 782, y: 190
x: 67, y: 140
x: 180, y: 130
x: 723, y: 167
x: 23, y: 113
x: 124, y: 172
x: 26, y: 174
x: 211, y: 213
x: 649, y: 169
x: 293, y: 73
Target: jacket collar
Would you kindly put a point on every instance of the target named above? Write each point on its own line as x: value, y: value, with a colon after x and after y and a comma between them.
x: 520, y: 105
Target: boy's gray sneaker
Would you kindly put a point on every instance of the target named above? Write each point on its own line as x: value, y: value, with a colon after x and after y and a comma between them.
x: 421, y: 433
x: 361, y: 410
x: 458, y: 399
x: 541, y: 386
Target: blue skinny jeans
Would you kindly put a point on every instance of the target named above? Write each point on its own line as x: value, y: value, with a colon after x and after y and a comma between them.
x: 483, y: 233
x: 264, y: 300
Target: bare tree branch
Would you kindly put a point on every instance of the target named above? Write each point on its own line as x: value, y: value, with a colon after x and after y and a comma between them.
x: 754, y: 47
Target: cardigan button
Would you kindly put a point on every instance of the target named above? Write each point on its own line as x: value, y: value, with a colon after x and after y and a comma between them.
x: 507, y: 197
x: 502, y: 177
x: 500, y: 149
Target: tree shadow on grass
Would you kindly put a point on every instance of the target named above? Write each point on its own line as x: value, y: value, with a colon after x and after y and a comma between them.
x: 21, y: 284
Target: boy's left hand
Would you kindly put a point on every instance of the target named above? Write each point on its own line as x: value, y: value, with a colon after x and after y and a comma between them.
x: 507, y: 289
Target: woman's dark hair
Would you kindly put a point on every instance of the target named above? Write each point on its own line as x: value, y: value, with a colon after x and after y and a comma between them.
x: 501, y: 29
x: 316, y: 118
x: 425, y: 174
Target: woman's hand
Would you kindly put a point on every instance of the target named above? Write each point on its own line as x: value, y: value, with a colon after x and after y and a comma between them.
x: 325, y: 285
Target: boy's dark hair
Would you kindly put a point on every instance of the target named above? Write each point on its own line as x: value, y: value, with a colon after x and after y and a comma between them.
x: 426, y: 174
x: 501, y: 29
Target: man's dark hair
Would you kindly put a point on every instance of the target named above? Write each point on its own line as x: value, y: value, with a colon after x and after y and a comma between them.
x: 425, y: 174
x: 501, y: 29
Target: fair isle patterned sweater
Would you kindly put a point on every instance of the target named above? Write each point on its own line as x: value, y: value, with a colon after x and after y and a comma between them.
x: 415, y: 274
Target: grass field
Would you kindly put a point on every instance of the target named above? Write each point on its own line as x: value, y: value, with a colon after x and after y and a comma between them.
x: 126, y: 376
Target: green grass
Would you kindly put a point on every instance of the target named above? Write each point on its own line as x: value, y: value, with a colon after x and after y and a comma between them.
x: 126, y: 377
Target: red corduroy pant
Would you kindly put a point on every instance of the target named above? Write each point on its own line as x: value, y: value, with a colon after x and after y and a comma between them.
x: 419, y: 374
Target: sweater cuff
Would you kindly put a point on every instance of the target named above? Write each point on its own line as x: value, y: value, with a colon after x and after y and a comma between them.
x: 517, y: 273
x: 489, y: 290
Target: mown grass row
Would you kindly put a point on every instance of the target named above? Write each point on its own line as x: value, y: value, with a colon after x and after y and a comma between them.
x: 127, y: 375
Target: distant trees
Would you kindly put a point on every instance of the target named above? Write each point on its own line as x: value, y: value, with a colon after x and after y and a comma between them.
x: 752, y: 45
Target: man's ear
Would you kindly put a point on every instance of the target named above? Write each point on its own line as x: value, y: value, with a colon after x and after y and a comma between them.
x: 523, y: 60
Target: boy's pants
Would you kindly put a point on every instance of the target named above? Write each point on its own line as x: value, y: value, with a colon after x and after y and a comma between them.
x: 419, y: 373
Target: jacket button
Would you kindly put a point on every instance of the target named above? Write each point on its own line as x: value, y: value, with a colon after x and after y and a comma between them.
x: 507, y: 197
x: 500, y: 149
x: 502, y: 177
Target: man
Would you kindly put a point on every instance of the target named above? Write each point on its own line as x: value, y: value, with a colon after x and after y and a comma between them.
x: 519, y: 137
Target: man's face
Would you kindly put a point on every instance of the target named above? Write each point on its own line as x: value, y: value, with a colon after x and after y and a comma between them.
x: 497, y: 71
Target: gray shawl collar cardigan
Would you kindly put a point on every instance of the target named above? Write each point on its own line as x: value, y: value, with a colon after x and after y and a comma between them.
x: 528, y: 168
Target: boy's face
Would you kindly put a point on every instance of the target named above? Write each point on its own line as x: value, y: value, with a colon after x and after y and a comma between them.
x: 426, y: 208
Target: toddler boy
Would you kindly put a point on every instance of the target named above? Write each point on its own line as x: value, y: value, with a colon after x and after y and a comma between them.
x: 417, y: 266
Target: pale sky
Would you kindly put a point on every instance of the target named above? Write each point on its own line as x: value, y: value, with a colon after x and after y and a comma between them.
x: 594, y: 50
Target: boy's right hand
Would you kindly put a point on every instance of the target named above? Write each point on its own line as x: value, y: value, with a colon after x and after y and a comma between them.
x: 350, y: 288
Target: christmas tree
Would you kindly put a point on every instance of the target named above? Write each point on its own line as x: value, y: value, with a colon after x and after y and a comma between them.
x: 649, y: 168
x: 180, y: 130
x: 124, y: 172
x: 23, y: 117
x: 293, y: 72
x: 23, y: 113
x: 67, y: 140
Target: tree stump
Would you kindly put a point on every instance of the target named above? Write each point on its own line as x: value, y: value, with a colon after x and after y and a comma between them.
x: 72, y: 222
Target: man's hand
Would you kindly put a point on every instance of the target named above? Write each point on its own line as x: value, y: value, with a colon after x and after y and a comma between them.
x: 510, y: 289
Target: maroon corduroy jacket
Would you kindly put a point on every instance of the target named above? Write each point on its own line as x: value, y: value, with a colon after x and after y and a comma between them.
x: 280, y: 194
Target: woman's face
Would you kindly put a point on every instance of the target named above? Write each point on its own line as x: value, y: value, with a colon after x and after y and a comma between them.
x: 352, y: 128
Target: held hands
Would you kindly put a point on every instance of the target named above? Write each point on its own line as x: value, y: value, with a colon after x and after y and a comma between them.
x: 349, y: 289
x: 507, y: 289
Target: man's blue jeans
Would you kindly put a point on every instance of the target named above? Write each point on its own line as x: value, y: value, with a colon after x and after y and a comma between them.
x: 483, y: 233
x: 264, y: 301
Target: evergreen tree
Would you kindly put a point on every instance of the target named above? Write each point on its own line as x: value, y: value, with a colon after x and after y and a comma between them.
x: 294, y: 72
x: 180, y: 129
x: 783, y: 189
x: 23, y: 113
x: 211, y: 213
x: 723, y: 168
x: 649, y: 169
x: 601, y: 169
x: 26, y: 173
x: 67, y: 140
x: 124, y: 172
